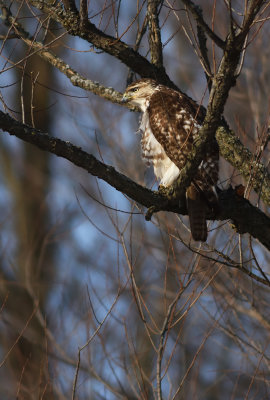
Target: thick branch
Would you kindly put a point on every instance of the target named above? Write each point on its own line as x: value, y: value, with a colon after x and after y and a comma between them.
x: 244, y: 161
x: 246, y: 217
x: 154, y: 37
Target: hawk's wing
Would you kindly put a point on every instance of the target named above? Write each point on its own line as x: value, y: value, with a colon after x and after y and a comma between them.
x: 175, y: 122
x: 172, y: 124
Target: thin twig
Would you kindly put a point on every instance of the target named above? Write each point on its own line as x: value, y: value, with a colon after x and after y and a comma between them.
x: 164, y: 329
x: 87, y: 344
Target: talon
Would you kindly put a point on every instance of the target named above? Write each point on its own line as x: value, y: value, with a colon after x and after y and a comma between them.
x: 162, y: 189
x: 151, y: 210
x: 240, y: 190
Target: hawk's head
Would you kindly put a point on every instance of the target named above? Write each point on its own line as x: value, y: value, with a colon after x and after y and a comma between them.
x: 139, y: 92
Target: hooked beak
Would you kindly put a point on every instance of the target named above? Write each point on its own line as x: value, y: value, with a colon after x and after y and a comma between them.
x: 125, y: 98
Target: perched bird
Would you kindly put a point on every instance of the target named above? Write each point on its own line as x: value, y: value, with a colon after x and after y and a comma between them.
x: 170, y: 125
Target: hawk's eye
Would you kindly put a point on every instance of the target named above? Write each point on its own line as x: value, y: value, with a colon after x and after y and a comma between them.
x: 134, y: 89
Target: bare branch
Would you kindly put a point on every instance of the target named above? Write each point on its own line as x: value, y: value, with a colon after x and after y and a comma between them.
x: 204, y: 55
x: 89, y: 340
x: 83, y: 12
x: 115, y: 47
x: 42, y: 50
x: 197, y: 14
x: 139, y: 36
x: 249, y: 17
x: 241, y: 158
x: 154, y: 37
x: 231, y: 148
x: 165, y: 328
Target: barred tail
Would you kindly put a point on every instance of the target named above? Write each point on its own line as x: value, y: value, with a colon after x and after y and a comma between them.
x: 197, y: 207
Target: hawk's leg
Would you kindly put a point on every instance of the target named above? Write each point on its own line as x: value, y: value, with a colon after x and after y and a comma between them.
x: 163, y: 190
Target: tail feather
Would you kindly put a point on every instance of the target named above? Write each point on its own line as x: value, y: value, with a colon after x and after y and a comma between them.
x: 197, y: 207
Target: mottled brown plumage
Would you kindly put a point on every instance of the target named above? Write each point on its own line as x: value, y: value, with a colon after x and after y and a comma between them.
x: 170, y: 125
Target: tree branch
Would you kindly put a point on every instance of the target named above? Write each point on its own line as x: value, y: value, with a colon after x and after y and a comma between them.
x: 197, y: 14
x: 204, y: 56
x: 245, y: 217
x: 241, y: 158
x: 154, y: 37
x: 70, y: 20
x: 44, y: 52
x: 253, y: 9
x: 83, y: 12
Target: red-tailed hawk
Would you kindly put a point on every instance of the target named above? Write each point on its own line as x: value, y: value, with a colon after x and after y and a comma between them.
x: 170, y: 125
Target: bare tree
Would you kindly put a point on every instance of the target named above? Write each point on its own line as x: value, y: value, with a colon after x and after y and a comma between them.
x: 105, y: 295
